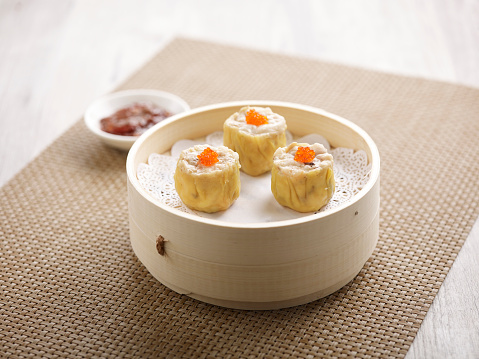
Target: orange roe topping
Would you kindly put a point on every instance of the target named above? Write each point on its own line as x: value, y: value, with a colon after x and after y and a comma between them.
x: 304, y: 154
x: 255, y: 118
x: 208, y: 157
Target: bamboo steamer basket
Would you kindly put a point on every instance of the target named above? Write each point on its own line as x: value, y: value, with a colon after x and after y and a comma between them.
x: 253, y: 265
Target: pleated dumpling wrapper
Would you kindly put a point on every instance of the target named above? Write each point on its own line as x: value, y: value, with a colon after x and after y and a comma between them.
x: 302, y: 176
x: 207, y: 178
x: 255, y: 133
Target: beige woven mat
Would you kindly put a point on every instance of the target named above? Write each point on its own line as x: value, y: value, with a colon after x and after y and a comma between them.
x: 72, y: 286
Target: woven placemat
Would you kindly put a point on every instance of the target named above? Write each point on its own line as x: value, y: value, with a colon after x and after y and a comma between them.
x: 72, y: 286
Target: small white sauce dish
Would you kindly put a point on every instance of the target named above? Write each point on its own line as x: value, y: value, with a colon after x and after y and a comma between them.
x: 109, y: 104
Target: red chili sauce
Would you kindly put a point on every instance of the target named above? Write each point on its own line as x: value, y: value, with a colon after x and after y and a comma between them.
x: 134, y: 120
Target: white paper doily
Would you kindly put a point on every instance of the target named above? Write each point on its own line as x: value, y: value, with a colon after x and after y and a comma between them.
x: 256, y: 203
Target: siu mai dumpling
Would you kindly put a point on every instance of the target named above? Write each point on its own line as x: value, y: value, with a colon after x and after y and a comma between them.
x: 207, y: 178
x: 255, y: 133
x: 302, y: 176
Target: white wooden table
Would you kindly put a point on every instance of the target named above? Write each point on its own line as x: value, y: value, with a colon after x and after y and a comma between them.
x: 57, y: 55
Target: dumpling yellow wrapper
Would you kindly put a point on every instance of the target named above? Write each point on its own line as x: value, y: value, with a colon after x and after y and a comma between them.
x: 210, y: 188
x: 304, y: 187
x: 255, y: 144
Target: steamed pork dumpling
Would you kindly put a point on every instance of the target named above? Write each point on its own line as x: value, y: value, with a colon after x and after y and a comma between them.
x: 255, y: 133
x: 207, y: 178
x: 302, y: 176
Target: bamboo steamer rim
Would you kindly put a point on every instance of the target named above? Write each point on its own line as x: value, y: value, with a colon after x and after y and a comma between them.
x: 374, y: 175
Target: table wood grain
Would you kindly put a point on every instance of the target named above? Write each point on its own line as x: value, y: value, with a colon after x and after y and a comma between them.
x: 57, y: 56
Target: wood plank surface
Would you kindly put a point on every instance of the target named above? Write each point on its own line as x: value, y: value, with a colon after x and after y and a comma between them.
x: 57, y: 56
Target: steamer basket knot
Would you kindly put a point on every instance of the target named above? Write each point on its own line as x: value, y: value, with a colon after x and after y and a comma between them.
x: 160, y: 245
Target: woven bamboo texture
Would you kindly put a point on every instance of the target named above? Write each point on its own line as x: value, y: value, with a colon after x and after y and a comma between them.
x: 71, y: 285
